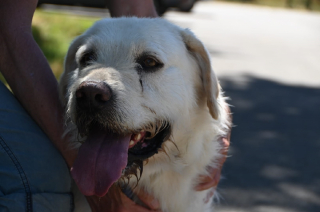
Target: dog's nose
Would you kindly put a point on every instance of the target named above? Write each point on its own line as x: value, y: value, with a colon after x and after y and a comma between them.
x: 93, y: 95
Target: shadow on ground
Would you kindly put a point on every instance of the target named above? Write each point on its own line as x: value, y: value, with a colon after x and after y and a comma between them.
x: 275, y: 162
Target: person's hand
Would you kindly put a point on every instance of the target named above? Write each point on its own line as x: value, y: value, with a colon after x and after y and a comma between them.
x: 212, y: 180
x: 116, y: 201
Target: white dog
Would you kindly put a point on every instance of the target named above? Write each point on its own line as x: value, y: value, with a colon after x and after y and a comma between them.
x: 140, y: 95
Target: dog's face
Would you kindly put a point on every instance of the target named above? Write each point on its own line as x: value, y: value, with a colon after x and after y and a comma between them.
x: 126, y: 83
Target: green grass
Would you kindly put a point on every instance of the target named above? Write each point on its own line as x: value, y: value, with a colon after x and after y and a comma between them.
x: 54, y: 32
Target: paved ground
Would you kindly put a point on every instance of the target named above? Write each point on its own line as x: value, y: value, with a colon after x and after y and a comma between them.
x: 268, y: 61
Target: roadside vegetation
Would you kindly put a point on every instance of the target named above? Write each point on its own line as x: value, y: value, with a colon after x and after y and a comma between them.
x: 54, y: 31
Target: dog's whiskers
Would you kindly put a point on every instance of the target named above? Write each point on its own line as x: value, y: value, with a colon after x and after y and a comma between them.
x: 154, y: 129
x: 171, y: 139
x: 136, y: 166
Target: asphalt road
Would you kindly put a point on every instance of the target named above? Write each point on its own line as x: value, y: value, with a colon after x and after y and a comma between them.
x: 268, y: 62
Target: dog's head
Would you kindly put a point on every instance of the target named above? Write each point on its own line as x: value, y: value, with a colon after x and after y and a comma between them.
x: 126, y: 84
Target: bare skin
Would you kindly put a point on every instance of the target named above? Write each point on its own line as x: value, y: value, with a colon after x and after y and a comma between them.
x: 31, y: 79
x: 28, y: 73
x: 138, y: 8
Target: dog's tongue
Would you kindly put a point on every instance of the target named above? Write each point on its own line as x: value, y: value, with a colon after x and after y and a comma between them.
x: 100, y: 162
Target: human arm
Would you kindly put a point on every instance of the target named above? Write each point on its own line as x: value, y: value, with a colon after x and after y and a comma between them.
x: 28, y: 73
x: 212, y: 180
x: 30, y: 77
x: 138, y: 8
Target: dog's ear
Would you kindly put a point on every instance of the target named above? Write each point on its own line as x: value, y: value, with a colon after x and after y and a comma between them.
x: 209, y: 79
x: 70, y: 65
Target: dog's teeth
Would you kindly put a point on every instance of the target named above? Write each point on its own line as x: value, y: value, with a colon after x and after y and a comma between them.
x: 138, y: 137
x: 131, y: 142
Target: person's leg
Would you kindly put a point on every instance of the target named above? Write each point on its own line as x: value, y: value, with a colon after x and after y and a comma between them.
x: 33, y: 174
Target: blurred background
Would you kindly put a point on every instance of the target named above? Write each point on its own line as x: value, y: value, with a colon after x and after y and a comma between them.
x: 267, y: 56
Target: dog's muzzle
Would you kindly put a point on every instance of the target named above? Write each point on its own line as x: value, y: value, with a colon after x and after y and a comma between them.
x: 92, y: 95
x: 109, y: 152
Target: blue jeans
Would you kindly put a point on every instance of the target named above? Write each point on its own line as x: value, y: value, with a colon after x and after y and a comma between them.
x: 33, y: 175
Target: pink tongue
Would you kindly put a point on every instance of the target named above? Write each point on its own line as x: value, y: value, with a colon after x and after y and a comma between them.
x: 100, y: 162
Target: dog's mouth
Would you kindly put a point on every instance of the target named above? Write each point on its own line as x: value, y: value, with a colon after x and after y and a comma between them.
x: 143, y: 145
x: 105, y: 156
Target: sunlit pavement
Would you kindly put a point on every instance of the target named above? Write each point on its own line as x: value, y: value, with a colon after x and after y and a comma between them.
x: 277, y: 44
x: 268, y: 61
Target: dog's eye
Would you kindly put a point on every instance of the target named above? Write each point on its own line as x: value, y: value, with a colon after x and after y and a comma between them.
x: 87, y: 58
x: 149, y: 63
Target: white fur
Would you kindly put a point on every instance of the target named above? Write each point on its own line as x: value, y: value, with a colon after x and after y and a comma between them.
x: 185, y: 92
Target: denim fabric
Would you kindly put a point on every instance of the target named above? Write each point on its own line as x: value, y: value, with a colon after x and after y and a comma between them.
x: 33, y: 175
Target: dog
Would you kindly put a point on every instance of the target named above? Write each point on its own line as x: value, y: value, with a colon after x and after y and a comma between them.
x: 142, y: 100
